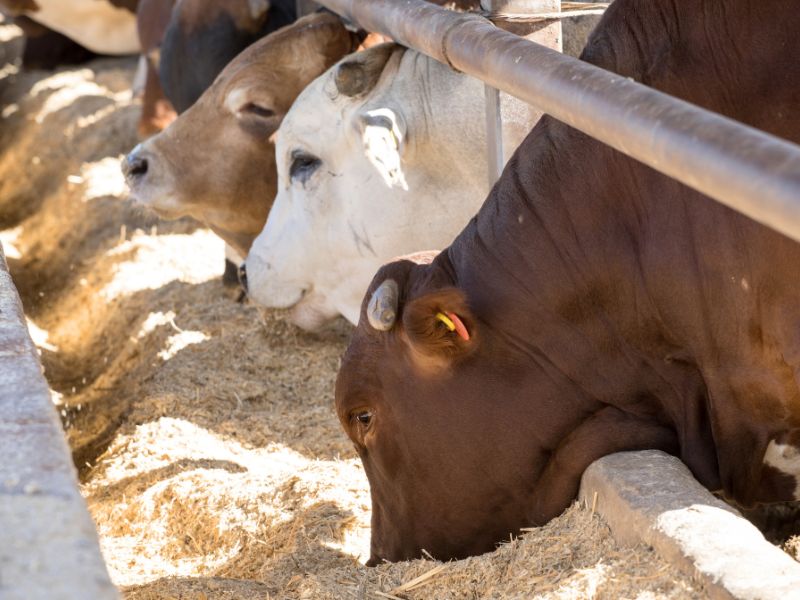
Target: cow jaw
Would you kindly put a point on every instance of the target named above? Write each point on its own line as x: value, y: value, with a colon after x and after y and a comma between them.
x: 312, y: 312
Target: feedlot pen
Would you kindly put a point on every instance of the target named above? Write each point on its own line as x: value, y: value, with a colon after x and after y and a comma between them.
x: 209, y: 454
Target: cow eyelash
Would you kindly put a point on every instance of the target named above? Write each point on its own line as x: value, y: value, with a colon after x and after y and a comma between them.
x: 363, y: 417
x: 303, y: 166
x: 258, y: 111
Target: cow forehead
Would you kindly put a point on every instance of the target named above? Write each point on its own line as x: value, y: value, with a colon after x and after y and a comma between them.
x: 314, y: 111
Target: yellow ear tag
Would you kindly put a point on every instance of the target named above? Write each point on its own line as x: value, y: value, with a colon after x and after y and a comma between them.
x: 446, y: 320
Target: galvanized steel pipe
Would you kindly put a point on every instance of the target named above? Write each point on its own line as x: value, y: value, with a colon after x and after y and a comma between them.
x: 746, y: 169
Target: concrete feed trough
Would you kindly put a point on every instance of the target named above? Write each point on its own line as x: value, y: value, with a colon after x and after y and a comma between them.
x: 211, y: 461
x: 650, y: 497
x: 48, y: 544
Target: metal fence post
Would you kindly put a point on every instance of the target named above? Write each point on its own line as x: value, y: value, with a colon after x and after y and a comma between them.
x: 511, y: 16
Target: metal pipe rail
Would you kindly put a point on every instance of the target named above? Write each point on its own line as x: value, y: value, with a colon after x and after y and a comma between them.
x: 746, y: 169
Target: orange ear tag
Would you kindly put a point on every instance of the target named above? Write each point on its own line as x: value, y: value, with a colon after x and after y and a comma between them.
x: 453, y: 323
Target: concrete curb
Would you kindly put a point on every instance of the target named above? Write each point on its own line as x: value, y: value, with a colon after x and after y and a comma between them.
x: 48, y: 542
x: 652, y: 497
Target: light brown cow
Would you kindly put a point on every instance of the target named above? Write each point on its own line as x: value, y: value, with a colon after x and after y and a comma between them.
x: 216, y: 162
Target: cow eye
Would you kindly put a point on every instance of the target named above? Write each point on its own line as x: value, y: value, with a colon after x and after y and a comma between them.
x: 364, y: 417
x: 303, y: 166
x: 256, y: 110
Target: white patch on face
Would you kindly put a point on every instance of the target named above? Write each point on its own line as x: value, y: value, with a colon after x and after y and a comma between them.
x: 786, y: 459
x: 235, y: 100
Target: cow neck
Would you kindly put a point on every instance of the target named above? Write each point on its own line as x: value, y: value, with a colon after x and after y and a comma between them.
x: 611, y: 272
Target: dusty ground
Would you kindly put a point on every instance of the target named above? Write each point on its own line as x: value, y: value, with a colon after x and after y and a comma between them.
x: 211, y: 460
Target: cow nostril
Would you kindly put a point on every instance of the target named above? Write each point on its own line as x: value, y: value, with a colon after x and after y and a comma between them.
x: 243, y: 277
x: 135, y: 166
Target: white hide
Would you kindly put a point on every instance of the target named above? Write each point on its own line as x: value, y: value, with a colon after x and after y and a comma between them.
x: 94, y: 24
x: 402, y: 169
x: 786, y: 459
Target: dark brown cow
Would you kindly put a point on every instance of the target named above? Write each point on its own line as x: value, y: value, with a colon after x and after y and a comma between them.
x: 592, y: 306
x: 216, y: 162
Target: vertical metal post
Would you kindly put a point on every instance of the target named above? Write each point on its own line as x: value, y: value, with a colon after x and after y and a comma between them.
x: 494, y: 135
x: 545, y: 32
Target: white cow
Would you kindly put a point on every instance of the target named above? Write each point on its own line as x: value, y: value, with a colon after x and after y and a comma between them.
x: 383, y: 155
x: 98, y: 25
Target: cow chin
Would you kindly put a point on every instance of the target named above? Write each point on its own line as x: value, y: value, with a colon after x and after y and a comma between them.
x: 312, y: 312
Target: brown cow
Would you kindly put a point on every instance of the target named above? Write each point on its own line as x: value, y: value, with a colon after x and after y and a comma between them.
x: 187, y: 46
x: 216, y: 162
x: 592, y: 306
x: 187, y: 43
x: 203, y: 36
x: 152, y: 20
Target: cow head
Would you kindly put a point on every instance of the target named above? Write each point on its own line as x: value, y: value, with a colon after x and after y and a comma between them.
x: 467, y: 429
x: 216, y: 162
x: 425, y: 399
x: 374, y: 161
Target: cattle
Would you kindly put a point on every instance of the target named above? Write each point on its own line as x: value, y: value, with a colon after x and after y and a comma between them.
x: 152, y: 19
x: 48, y: 49
x: 382, y: 155
x: 592, y: 306
x: 216, y: 162
x: 203, y: 36
x: 187, y: 43
x: 102, y: 26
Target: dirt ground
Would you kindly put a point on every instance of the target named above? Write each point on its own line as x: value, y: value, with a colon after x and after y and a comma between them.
x: 210, y: 456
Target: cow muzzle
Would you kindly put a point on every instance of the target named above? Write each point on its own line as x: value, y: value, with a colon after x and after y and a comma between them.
x: 135, y: 166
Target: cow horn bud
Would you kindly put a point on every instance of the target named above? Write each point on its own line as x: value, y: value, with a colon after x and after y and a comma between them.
x: 382, y: 308
x: 360, y: 73
x: 350, y: 78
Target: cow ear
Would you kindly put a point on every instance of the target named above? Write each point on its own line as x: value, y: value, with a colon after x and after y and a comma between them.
x: 258, y: 8
x: 440, y: 326
x: 360, y: 72
x: 382, y: 132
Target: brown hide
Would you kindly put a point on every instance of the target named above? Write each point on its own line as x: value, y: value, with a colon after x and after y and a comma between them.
x: 18, y: 7
x: 129, y: 5
x: 609, y: 308
x: 216, y: 162
x: 152, y: 19
x: 187, y: 19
